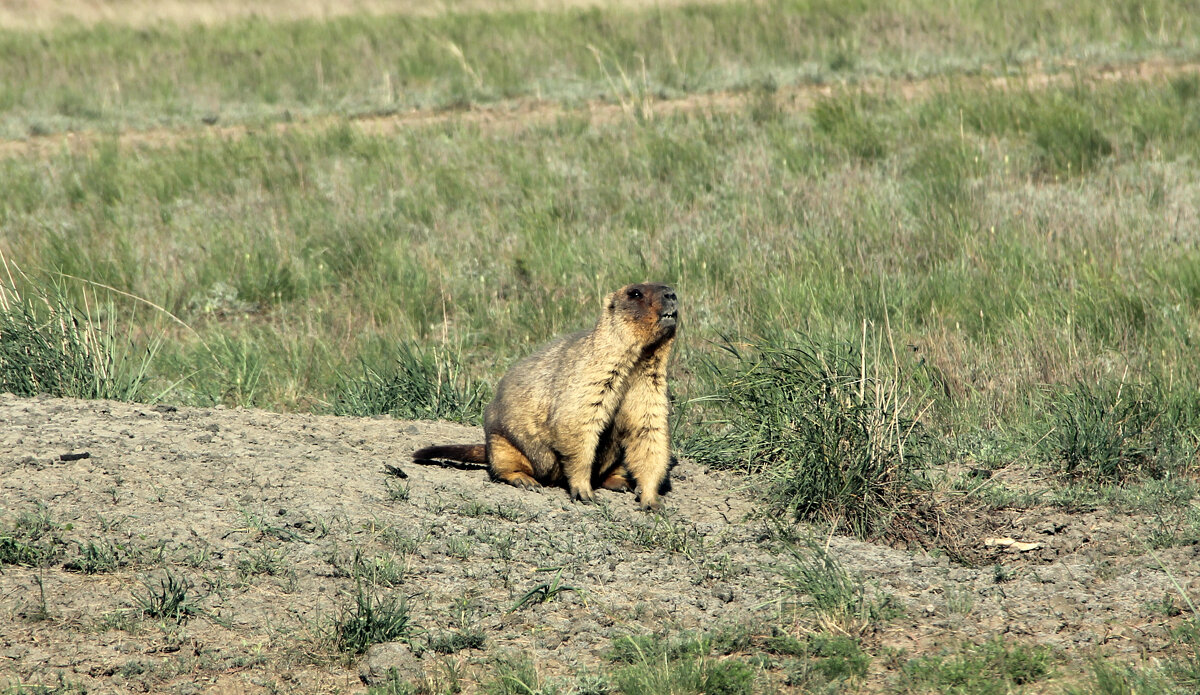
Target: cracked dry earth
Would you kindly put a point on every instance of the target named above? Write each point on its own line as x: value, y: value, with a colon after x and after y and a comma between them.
x: 269, y: 516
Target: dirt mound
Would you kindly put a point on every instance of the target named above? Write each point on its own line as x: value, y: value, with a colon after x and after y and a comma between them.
x: 266, y: 519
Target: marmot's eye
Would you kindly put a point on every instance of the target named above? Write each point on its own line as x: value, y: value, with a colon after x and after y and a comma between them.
x: 634, y: 294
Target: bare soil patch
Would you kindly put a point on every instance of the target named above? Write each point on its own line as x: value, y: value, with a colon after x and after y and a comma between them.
x: 264, y: 514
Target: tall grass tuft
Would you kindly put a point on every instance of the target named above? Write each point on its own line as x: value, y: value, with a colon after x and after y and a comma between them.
x: 1110, y: 433
x: 420, y: 384
x: 832, y: 434
x: 49, y: 346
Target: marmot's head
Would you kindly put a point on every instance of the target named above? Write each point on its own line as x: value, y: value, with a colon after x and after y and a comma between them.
x: 649, y: 310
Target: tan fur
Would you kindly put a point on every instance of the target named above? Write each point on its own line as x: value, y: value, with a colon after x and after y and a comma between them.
x: 588, y: 409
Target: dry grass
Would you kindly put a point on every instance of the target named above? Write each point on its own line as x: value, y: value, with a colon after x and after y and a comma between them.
x: 43, y: 14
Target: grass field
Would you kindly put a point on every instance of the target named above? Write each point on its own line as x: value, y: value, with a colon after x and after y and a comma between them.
x: 1012, y: 265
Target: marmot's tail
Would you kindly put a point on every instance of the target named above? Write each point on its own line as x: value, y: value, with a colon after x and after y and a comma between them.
x: 466, y: 453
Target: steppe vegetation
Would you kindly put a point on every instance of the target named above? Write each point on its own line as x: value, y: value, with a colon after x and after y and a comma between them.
x: 932, y: 256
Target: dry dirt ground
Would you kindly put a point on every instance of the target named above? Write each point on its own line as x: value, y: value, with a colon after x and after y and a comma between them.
x: 268, y: 516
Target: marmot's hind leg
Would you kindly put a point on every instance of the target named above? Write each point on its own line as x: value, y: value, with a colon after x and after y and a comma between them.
x: 507, y: 464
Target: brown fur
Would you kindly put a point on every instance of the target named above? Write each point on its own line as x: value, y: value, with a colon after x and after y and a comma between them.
x: 588, y: 409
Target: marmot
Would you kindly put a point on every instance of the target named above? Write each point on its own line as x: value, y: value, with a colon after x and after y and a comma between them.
x: 588, y: 409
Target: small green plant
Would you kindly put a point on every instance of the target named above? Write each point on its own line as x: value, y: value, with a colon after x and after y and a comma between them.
x: 262, y: 561
x: 370, y: 620
x: 458, y: 640
x: 459, y: 547
x: 33, y: 540
x: 959, y: 600
x: 398, y: 491
x: 839, y: 601
x: 395, y: 685
x: 823, y: 659
x: 97, y: 558
x: 1109, y: 678
x: 172, y: 598
x: 1002, y: 573
x: 1185, y: 669
x: 380, y: 570
x: 516, y: 675
x: 260, y: 524
x: 421, y: 385
x: 661, y: 532
x: 546, y: 591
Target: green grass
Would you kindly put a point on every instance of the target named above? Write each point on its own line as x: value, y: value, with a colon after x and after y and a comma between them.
x: 418, y: 386
x: 98, y: 558
x: 831, y: 597
x: 544, y: 591
x: 112, y: 76
x: 652, y: 665
x: 49, y: 346
x: 1111, y: 433
x: 735, y: 660
x: 992, y: 667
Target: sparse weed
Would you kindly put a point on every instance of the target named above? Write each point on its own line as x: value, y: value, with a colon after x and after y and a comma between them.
x: 381, y: 570
x: 662, y: 532
x: 546, y: 591
x: 173, y: 599
x: 824, y: 662
x: 259, y: 523
x: 458, y: 640
x: 268, y: 561
x: 34, y: 539
x: 370, y: 620
x: 1109, y: 678
x: 398, y: 491
x: 838, y: 600
x: 517, y: 675
x: 96, y: 558
x: 459, y: 547
x: 652, y: 665
x: 403, y: 542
